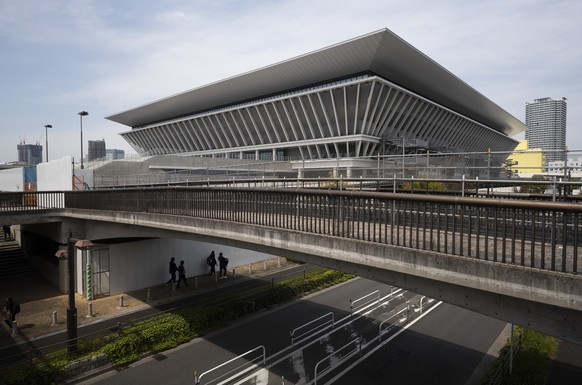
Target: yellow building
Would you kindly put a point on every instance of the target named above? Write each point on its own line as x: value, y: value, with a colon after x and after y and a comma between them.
x: 526, y: 161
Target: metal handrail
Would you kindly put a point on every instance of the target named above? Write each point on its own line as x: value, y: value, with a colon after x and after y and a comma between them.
x: 358, y: 348
x: 484, y: 202
x: 328, y: 315
x: 401, y: 320
x: 376, y: 292
x: 260, y: 347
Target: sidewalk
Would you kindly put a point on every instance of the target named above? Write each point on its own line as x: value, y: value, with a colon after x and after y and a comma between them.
x: 39, y: 299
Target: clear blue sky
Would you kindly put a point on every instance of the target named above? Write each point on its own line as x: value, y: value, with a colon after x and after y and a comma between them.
x: 60, y: 57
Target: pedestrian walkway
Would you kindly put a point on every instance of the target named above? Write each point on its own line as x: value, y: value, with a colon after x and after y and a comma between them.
x: 44, y: 308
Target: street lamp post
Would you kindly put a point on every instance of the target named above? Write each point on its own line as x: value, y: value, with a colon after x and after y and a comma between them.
x: 72, y: 309
x: 46, y: 127
x: 81, y: 114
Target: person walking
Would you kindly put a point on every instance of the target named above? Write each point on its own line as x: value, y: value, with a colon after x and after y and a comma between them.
x: 173, y: 269
x: 211, y: 261
x: 7, y: 232
x: 181, y: 275
x: 11, y: 309
x: 223, y: 262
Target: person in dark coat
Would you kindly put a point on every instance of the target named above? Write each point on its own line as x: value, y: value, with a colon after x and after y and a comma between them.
x: 173, y: 269
x: 7, y: 232
x: 181, y: 275
x: 211, y: 261
x: 223, y: 262
x: 10, y: 309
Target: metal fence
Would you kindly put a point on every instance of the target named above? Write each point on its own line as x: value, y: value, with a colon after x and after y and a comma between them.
x: 27, y: 201
x: 533, y: 234
x: 412, y: 163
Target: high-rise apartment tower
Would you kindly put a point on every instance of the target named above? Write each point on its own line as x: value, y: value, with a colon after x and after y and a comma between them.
x: 29, y: 153
x: 546, y: 127
x: 96, y: 150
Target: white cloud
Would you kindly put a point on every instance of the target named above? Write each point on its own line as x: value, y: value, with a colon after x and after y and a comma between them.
x: 109, y: 56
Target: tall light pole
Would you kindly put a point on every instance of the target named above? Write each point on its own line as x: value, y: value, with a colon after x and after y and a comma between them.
x: 81, y: 114
x: 46, y: 127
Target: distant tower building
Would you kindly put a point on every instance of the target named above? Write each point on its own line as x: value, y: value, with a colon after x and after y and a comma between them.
x: 96, y: 150
x: 113, y: 154
x: 546, y: 127
x: 29, y: 153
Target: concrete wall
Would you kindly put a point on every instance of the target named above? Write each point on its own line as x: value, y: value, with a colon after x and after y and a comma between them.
x: 136, y: 265
x: 55, y: 175
x: 50, y: 272
x: 12, y: 179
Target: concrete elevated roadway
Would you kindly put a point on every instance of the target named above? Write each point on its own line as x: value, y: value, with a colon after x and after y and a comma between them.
x: 518, y: 284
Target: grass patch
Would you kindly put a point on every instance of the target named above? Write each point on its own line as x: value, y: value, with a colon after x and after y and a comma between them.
x: 531, y: 364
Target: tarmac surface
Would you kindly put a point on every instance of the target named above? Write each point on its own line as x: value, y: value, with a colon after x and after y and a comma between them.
x: 42, y: 304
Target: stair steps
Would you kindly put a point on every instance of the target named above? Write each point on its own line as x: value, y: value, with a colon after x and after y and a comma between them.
x: 13, y: 262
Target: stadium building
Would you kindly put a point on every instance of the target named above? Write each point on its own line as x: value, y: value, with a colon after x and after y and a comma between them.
x: 369, y: 96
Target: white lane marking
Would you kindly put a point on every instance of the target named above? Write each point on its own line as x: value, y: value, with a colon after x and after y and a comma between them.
x: 382, y: 344
x: 261, y: 377
x: 339, y: 324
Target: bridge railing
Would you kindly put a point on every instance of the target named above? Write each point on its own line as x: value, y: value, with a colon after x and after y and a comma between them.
x: 533, y: 234
x: 25, y: 201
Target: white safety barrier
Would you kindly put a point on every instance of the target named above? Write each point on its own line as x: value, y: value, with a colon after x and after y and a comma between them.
x: 318, y: 327
x: 375, y: 297
x: 356, y: 346
x: 402, y: 318
x: 198, y: 379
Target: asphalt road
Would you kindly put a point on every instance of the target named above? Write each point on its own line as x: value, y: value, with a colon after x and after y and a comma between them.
x: 443, y: 347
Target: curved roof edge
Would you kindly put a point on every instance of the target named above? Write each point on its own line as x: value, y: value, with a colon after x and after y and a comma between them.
x: 381, y: 52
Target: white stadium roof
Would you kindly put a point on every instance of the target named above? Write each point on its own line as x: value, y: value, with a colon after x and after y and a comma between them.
x: 381, y: 53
